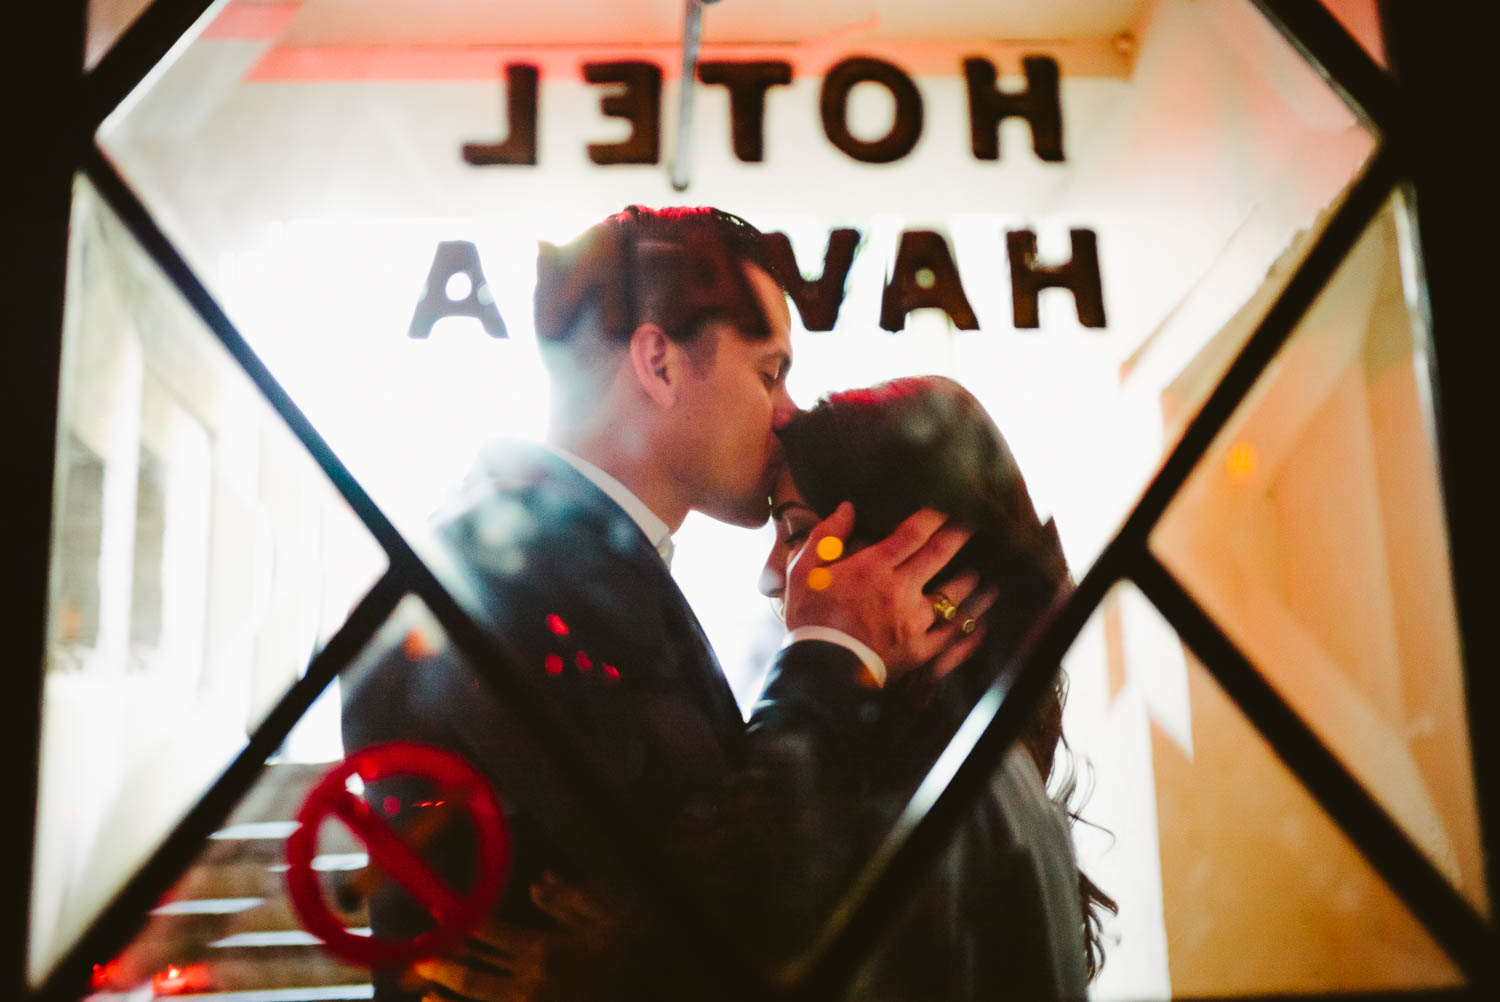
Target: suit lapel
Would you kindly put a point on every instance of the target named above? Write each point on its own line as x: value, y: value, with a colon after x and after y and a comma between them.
x: 703, y: 676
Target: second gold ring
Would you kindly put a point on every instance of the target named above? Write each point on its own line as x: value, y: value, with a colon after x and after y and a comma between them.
x: 943, y: 607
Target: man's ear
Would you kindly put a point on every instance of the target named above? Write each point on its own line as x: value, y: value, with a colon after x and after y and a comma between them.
x: 656, y: 361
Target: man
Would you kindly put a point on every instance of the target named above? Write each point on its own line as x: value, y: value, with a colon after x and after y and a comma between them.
x: 668, y: 344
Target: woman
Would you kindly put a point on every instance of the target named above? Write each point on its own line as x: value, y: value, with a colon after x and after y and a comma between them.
x: 1005, y: 911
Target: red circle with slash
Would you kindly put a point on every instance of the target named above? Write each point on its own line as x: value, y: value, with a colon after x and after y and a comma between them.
x: 456, y: 914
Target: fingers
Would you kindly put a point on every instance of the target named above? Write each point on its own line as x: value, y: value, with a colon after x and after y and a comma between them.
x: 504, y: 943
x: 907, y: 538
x: 571, y: 906
x: 958, y: 646
x: 957, y: 590
x: 933, y: 555
x: 472, y: 980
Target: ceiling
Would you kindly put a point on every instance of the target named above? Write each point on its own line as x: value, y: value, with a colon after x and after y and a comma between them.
x: 572, y: 22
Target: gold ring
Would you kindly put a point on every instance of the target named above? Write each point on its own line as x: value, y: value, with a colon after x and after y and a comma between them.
x: 967, y: 626
x: 944, y: 608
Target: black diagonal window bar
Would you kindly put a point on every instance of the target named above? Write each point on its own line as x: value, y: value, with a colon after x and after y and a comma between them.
x: 1368, y: 90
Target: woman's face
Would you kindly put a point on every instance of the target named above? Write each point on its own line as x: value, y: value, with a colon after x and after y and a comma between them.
x: 793, y: 521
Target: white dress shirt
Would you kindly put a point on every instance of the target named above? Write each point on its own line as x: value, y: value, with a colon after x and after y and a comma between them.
x: 654, y: 529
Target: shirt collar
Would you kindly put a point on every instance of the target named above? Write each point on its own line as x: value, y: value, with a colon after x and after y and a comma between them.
x: 650, y: 524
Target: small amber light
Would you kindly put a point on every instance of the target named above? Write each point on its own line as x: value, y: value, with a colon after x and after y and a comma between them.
x: 830, y: 548
x: 819, y: 578
x: 1240, y: 462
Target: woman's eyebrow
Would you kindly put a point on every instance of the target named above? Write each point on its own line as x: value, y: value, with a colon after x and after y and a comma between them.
x: 786, y: 506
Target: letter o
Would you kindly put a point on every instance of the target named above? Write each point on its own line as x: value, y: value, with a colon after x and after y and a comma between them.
x: 834, y: 106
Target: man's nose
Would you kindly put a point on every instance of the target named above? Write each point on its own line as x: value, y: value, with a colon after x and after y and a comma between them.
x: 784, y: 410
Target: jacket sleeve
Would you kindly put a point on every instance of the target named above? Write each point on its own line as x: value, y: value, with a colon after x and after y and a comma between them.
x: 793, y: 822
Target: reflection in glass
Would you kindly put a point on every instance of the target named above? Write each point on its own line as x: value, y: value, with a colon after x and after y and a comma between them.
x: 200, y: 560
x: 1313, y: 531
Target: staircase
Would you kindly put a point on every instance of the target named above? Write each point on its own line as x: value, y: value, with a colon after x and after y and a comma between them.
x: 227, y: 931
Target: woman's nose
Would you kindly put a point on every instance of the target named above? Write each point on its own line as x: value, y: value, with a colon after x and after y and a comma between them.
x: 772, y: 583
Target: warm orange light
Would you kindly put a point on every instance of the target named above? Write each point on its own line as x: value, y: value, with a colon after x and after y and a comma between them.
x: 173, y: 980
x: 416, y: 646
x: 819, y: 578
x: 1240, y: 462
x: 830, y: 548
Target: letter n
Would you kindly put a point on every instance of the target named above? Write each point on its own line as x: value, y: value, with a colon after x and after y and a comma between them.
x: 456, y: 257
x: 1080, y: 276
x: 924, y: 275
x: 817, y: 301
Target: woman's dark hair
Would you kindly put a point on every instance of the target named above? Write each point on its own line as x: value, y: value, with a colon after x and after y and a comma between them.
x: 926, y: 442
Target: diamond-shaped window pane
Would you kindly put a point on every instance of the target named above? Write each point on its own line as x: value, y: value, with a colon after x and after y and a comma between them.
x: 1313, y: 532
x: 1208, y: 833
x: 200, y: 559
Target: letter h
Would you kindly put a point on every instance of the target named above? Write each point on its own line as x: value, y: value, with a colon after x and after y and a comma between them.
x: 1079, y: 276
x: 1038, y: 104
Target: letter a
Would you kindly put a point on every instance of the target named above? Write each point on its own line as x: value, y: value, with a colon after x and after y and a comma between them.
x: 925, y: 251
x: 456, y: 257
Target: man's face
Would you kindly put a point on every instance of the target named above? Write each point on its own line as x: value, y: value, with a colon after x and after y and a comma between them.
x: 733, y: 403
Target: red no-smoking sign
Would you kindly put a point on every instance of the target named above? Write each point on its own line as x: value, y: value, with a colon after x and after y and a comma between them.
x: 456, y: 913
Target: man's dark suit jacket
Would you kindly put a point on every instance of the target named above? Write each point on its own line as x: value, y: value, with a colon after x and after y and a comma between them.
x: 603, y: 638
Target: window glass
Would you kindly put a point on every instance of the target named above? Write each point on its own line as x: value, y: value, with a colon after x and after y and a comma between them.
x: 200, y: 559
x: 1313, y: 531
x: 1228, y: 877
x: 1259, y: 891
x: 364, y: 191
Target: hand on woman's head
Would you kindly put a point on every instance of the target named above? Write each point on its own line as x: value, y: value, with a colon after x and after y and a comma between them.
x: 877, y: 595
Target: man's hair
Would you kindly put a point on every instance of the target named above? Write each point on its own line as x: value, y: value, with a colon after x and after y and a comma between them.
x: 676, y: 267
